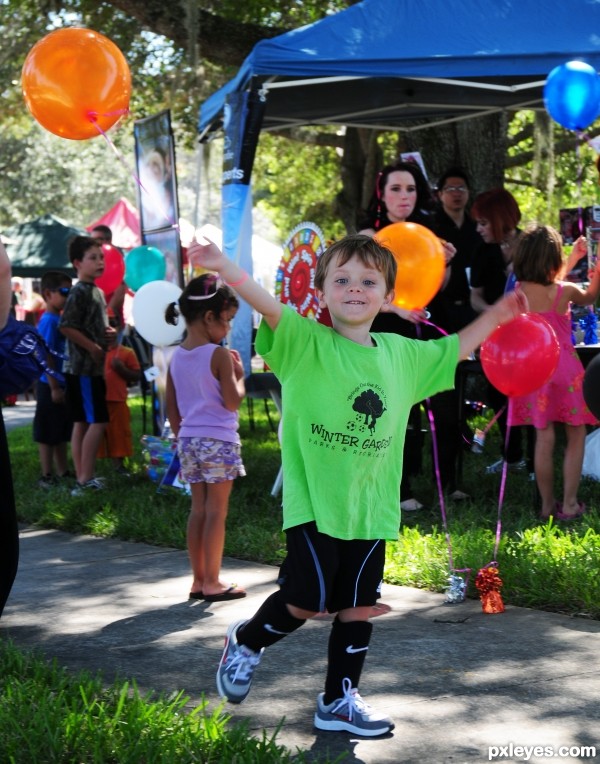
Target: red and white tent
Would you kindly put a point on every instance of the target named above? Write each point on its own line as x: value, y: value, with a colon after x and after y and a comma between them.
x: 124, y: 221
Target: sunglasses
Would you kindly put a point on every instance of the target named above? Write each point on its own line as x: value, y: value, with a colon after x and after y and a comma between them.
x: 62, y: 290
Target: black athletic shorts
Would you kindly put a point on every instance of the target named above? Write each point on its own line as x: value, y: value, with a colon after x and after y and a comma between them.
x: 51, y: 422
x: 324, y: 573
x: 86, y: 399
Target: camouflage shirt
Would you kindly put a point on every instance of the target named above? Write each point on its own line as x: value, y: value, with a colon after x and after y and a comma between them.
x: 85, y: 310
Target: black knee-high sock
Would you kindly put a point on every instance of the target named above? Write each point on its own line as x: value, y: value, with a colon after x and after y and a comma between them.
x: 271, y: 623
x: 348, y: 645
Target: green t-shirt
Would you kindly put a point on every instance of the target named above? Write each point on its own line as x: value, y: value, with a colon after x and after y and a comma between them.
x: 345, y: 411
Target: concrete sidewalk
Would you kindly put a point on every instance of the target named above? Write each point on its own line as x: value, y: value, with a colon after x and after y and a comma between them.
x: 455, y: 681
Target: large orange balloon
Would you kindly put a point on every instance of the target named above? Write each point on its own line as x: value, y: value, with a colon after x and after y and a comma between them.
x: 74, y: 81
x: 420, y: 259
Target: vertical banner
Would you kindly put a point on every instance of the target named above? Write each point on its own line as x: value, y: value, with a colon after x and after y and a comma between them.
x: 159, y: 218
x: 243, y: 114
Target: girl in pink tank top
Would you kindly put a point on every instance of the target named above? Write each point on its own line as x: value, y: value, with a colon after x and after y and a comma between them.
x: 205, y: 387
x: 537, y: 266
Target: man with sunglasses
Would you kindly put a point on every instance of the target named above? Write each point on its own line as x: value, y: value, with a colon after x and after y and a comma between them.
x: 51, y: 423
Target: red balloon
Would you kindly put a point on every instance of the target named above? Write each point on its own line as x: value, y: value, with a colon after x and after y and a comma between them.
x: 114, y: 269
x: 521, y: 356
x: 75, y: 81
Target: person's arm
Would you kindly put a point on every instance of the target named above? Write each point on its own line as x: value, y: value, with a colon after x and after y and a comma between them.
x: 5, y: 287
x: 172, y: 408
x: 579, y: 250
x: 500, y: 312
x: 232, y: 385
x: 117, y: 300
x: 128, y: 373
x: 209, y: 256
x: 478, y: 304
x: 79, y: 338
x: 586, y: 296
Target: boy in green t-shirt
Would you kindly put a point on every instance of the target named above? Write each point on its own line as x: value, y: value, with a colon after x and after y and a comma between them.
x: 346, y: 395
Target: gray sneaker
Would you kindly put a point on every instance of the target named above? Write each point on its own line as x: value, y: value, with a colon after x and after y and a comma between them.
x: 497, y: 467
x: 234, y: 675
x: 351, y: 714
x: 95, y: 484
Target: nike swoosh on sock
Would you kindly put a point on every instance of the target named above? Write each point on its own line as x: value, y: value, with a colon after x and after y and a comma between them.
x: 352, y: 649
x: 268, y: 627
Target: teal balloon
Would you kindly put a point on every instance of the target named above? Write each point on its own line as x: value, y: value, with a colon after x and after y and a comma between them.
x: 143, y: 265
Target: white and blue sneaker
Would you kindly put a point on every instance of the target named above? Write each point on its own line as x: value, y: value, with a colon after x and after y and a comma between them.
x: 234, y: 675
x: 351, y: 714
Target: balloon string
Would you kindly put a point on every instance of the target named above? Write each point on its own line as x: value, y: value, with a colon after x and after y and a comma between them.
x: 503, y: 479
x: 159, y: 206
x: 436, y: 467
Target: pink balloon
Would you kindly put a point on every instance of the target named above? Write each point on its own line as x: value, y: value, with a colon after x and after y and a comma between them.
x: 114, y: 269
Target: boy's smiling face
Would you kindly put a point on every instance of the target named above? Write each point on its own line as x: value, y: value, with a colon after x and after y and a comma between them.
x: 354, y: 292
x: 91, y: 266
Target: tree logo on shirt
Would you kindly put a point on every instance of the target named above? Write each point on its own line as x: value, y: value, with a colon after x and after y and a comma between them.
x: 369, y: 405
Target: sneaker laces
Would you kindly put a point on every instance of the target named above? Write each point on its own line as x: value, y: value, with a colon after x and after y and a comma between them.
x: 244, y: 662
x: 353, y: 700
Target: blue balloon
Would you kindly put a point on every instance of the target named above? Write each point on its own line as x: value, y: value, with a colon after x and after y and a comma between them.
x: 572, y: 95
x: 143, y: 265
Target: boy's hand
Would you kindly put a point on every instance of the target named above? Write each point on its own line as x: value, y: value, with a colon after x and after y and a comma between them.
x: 510, y: 306
x: 57, y: 394
x: 206, y: 255
x: 97, y: 354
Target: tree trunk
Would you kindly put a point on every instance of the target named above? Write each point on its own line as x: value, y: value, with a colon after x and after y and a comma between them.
x: 477, y: 145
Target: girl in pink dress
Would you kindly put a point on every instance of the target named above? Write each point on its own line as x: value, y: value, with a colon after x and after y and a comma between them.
x: 537, y: 266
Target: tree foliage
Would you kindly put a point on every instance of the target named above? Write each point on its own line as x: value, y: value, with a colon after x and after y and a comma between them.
x: 180, y: 52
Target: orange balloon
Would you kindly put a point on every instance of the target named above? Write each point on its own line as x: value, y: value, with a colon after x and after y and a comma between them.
x: 420, y: 258
x: 76, y: 81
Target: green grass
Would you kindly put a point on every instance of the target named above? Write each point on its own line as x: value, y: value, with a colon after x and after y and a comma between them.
x: 48, y: 715
x: 545, y: 566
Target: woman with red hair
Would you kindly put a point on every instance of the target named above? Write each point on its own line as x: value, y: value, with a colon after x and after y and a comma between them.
x: 497, y: 216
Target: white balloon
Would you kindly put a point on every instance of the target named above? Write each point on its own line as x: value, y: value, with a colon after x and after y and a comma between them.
x: 148, y: 311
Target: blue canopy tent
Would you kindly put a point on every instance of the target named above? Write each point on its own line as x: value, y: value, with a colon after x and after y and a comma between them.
x: 395, y: 64
x: 382, y: 63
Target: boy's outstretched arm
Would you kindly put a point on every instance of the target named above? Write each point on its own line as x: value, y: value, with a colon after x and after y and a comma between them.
x: 210, y: 256
x: 501, y: 312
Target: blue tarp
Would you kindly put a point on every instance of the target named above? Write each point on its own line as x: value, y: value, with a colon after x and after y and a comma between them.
x: 411, y: 54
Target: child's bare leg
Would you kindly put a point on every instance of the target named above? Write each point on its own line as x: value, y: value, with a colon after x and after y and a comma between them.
x: 60, y: 458
x: 77, y: 436
x: 544, y: 467
x: 45, y: 452
x: 572, y: 464
x: 195, y: 534
x: 216, y: 506
x: 89, y: 450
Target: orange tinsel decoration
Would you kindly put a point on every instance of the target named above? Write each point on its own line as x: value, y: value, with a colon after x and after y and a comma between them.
x: 489, y: 583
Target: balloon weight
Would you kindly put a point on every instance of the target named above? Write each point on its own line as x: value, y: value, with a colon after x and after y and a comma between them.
x: 420, y: 258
